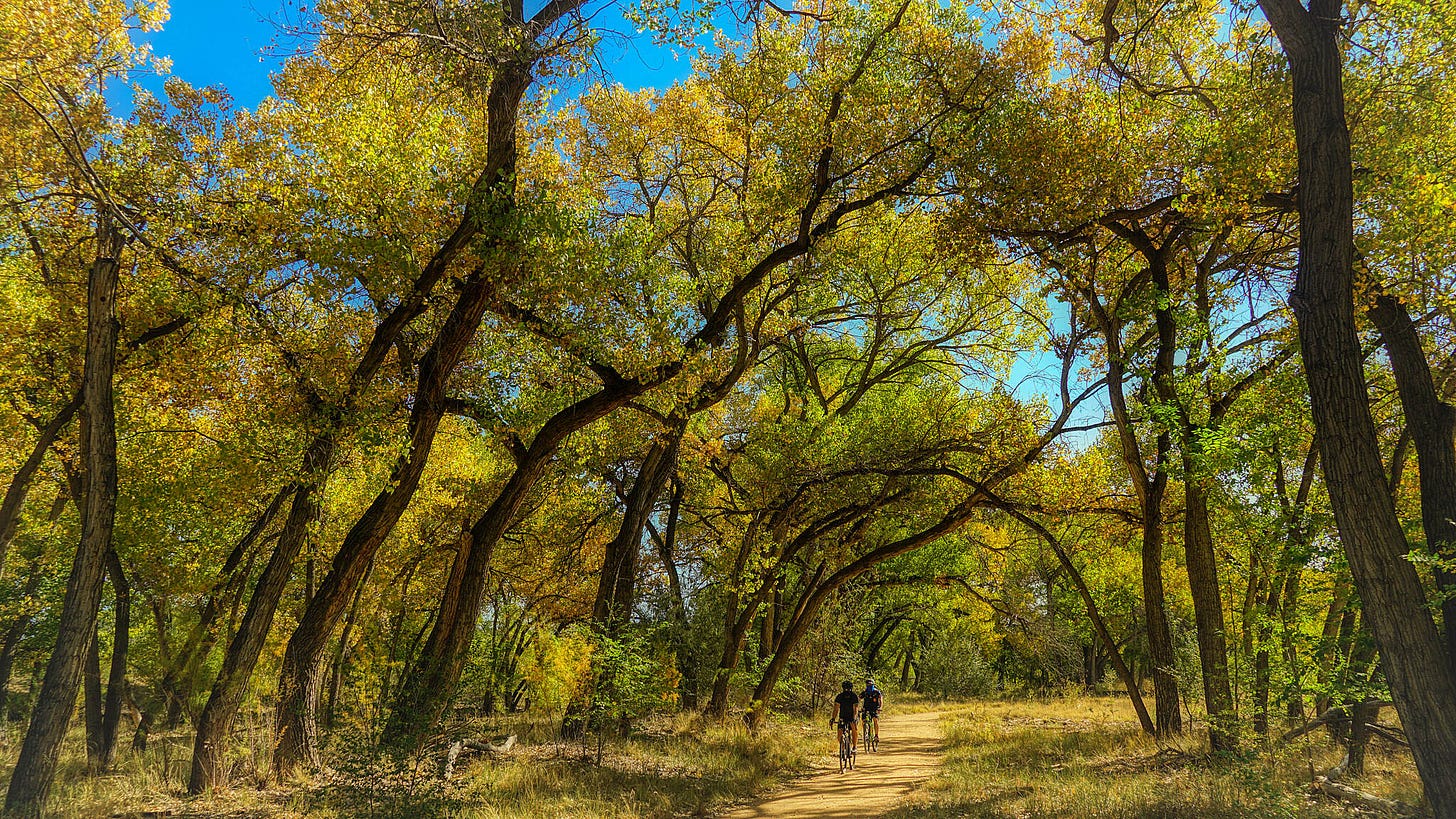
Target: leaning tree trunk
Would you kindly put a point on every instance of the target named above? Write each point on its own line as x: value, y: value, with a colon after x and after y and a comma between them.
x: 1421, y: 677
x: 20, y: 485
x: 209, y: 749
x: 1432, y: 426
x: 216, y: 720
x: 617, y: 584
x: 1099, y: 625
x: 1155, y: 609
x: 30, y: 782
x: 301, y: 675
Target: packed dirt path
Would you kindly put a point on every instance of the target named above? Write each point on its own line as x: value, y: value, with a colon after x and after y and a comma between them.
x: 909, y: 753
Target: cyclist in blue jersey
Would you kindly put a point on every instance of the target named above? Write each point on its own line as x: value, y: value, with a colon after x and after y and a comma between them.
x: 870, y: 702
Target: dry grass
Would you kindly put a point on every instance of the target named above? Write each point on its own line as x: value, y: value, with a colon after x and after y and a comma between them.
x: 1048, y: 759
x: 1086, y: 757
x: 670, y: 766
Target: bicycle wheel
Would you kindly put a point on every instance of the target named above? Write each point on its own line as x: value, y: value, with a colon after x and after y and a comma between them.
x: 866, y: 735
x: 875, y: 736
x: 843, y: 752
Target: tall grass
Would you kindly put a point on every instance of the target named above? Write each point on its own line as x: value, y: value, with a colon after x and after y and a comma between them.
x: 1086, y: 757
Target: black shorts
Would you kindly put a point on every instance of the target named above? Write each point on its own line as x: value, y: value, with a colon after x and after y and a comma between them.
x: 868, y: 714
x: 846, y: 720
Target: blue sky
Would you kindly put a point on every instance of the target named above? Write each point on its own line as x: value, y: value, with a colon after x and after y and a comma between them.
x: 237, y: 45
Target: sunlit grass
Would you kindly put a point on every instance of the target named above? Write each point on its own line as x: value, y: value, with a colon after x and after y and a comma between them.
x: 670, y: 766
x: 1087, y: 757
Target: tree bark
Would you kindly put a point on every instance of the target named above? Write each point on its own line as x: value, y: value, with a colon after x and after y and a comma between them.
x: 40, y: 751
x: 1207, y: 607
x: 301, y: 675
x: 91, y: 706
x: 216, y: 719
x: 1150, y: 484
x: 1155, y: 608
x: 430, y: 680
x: 1432, y: 426
x: 116, y: 676
x: 1421, y: 677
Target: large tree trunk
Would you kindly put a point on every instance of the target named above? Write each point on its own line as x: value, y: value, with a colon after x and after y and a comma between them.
x: 1432, y: 426
x: 301, y: 675
x: 91, y: 706
x: 1207, y: 607
x: 1421, y: 677
x: 39, y: 753
x: 216, y: 719
x: 430, y: 680
x: 616, y: 588
x: 1150, y: 484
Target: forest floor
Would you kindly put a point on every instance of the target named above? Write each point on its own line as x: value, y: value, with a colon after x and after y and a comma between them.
x: 1055, y: 758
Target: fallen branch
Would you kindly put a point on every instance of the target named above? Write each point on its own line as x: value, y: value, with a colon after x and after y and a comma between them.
x: 460, y: 746
x: 455, y: 748
x: 1363, y: 800
x: 1340, y: 713
x: 491, y: 747
x: 1388, y: 734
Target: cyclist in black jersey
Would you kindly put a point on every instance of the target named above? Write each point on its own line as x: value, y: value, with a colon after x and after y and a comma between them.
x: 846, y: 706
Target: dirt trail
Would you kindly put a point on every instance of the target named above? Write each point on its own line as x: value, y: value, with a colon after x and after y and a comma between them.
x: 909, y: 753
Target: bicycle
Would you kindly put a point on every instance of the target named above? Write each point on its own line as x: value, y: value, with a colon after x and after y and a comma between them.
x: 846, y: 746
x: 871, y: 733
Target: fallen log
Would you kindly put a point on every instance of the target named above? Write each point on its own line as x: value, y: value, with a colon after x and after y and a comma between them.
x: 1362, y: 800
x: 490, y: 747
